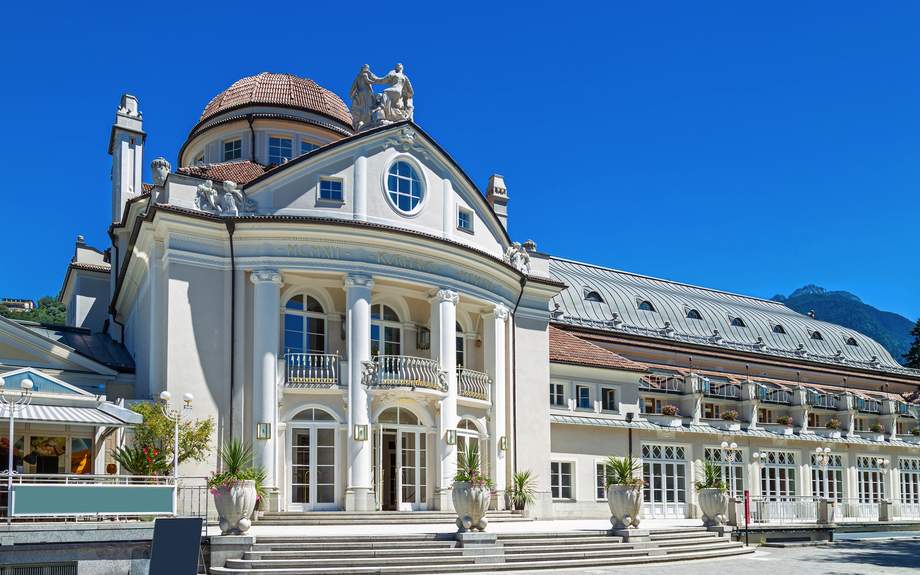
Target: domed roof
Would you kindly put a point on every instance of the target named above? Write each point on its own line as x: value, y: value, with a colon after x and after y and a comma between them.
x: 279, y: 89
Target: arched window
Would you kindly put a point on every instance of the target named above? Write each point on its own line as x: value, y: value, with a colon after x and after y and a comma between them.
x: 461, y: 356
x: 398, y: 415
x: 404, y: 187
x: 852, y: 341
x: 594, y: 296
x: 468, y: 439
x: 817, y: 335
x: 646, y: 305
x: 778, y: 329
x: 314, y: 414
x: 693, y: 314
x: 738, y: 322
x: 304, y: 325
x: 386, y: 331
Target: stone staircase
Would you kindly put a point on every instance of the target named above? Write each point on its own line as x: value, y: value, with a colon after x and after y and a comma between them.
x: 420, y: 554
x: 307, y: 518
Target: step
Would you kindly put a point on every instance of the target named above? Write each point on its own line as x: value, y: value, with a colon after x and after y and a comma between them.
x: 331, y: 545
x: 383, y: 553
x: 352, y: 562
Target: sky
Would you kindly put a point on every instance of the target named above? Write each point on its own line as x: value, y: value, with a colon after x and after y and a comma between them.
x: 750, y: 147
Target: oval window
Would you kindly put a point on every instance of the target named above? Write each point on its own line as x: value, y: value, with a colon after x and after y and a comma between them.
x: 404, y: 187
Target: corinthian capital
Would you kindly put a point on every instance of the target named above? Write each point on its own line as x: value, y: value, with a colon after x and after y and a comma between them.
x: 499, y: 312
x: 353, y: 280
x: 445, y: 295
x: 259, y: 276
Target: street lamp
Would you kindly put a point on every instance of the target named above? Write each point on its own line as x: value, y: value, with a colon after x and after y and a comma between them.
x: 760, y: 459
x: 728, y: 455
x: 823, y: 457
x: 176, y: 415
x: 14, y: 405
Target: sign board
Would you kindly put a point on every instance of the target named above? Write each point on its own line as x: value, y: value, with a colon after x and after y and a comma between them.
x: 88, y: 499
x: 176, y: 547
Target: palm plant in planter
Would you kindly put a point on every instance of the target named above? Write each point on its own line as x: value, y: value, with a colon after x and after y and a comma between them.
x: 624, y: 490
x: 712, y: 493
x: 236, y: 487
x: 522, y: 488
x: 471, y: 492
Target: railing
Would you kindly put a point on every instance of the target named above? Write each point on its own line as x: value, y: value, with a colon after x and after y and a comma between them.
x: 665, y: 383
x: 474, y: 384
x: 774, y: 395
x: 784, y: 509
x: 855, y: 509
x: 404, y: 371
x: 311, y: 369
x: 906, y: 509
x: 868, y: 405
x: 721, y: 390
x: 822, y: 400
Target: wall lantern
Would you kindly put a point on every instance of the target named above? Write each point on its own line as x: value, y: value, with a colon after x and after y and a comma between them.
x: 263, y: 431
x: 360, y: 432
x: 503, y: 444
x: 451, y: 437
x: 423, y: 338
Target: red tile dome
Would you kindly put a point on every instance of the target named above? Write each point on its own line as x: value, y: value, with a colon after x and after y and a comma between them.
x: 279, y: 89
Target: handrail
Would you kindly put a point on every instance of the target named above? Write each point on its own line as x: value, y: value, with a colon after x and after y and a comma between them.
x: 774, y: 395
x: 474, y: 384
x: 721, y: 390
x: 827, y: 400
x: 404, y: 371
x: 664, y: 383
x: 305, y: 369
x: 868, y: 405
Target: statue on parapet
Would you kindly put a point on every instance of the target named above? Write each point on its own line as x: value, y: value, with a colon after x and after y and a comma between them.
x: 394, y: 104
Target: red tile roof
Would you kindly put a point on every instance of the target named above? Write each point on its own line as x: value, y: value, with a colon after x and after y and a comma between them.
x: 146, y: 188
x: 282, y: 89
x: 567, y: 348
x: 239, y: 172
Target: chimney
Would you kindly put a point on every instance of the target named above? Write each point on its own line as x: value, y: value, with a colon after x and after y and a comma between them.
x: 126, y: 145
x: 497, y: 196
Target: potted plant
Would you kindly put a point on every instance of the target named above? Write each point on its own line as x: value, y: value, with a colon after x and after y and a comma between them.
x: 833, y: 424
x: 879, y: 430
x: 915, y: 432
x: 730, y: 420
x: 236, y: 487
x: 522, y: 488
x: 671, y: 410
x: 146, y: 461
x: 624, y: 490
x: 730, y: 415
x: 471, y: 492
x: 784, y: 420
x: 712, y: 493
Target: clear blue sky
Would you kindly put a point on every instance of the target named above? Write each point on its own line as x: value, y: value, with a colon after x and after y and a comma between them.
x: 752, y: 147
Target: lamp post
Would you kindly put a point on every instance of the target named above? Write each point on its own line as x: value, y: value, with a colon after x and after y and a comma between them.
x: 824, y: 458
x: 14, y: 405
x: 175, y: 415
x: 728, y: 455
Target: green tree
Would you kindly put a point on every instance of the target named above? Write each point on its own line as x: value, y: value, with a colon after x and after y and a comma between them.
x: 49, y: 310
x: 158, y: 431
x: 913, y: 354
x: 5, y: 311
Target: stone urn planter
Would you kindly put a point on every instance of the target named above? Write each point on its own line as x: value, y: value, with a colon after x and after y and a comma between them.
x: 727, y: 425
x: 235, y: 507
x: 832, y: 433
x: 471, y: 502
x: 786, y: 430
x: 624, y: 501
x: 714, y: 505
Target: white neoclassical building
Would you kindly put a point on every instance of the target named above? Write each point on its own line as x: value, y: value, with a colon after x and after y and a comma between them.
x: 331, y: 286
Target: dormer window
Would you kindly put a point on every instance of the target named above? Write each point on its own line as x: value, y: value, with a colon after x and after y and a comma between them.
x: 852, y: 341
x: 646, y: 306
x: 199, y: 159
x: 594, y: 296
x: 280, y: 150
x: 330, y: 189
x: 233, y: 150
x: 816, y: 335
x: 779, y: 329
x: 738, y: 322
x: 306, y: 146
x: 693, y: 314
x: 464, y: 219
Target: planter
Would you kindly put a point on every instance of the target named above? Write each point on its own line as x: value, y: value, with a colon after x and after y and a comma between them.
x: 875, y: 437
x: 911, y: 438
x: 727, y: 425
x: 471, y: 502
x: 666, y: 420
x: 786, y: 430
x: 832, y: 433
x: 714, y: 505
x: 235, y: 507
x: 624, y: 502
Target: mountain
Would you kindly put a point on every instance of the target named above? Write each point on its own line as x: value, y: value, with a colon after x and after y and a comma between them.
x: 843, y: 308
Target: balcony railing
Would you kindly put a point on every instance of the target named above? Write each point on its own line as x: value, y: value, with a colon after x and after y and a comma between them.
x: 868, y: 405
x: 721, y: 390
x: 767, y: 395
x: 474, y: 384
x: 404, y: 371
x: 665, y: 383
x: 311, y: 369
x: 822, y: 400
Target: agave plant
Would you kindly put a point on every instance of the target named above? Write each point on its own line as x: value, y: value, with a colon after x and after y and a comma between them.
x: 237, y: 458
x: 711, y: 476
x: 623, y: 470
x: 522, y: 488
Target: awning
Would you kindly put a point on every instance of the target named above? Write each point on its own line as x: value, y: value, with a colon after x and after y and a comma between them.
x: 74, y: 415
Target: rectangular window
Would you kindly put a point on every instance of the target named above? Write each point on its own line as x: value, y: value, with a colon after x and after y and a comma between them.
x: 608, y: 399
x: 583, y: 393
x: 233, y: 150
x: 600, y: 476
x: 870, y: 478
x: 814, y: 420
x: 859, y: 424
x: 731, y: 462
x: 904, y: 427
x: 711, y: 410
x: 331, y: 190
x: 910, y: 483
x: 561, y: 485
x: 465, y: 219
x: 279, y: 150
x: 766, y: 415
x: 307, y: 147
x: 777, y: 478
x: 827, y: 481
x: 649, y: 405
x: 557, y: 394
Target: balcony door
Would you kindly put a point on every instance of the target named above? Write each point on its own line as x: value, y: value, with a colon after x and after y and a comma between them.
x: 304, y: 326
x: 386, y: 331
x: 313, y: 461
x: 400, y: 461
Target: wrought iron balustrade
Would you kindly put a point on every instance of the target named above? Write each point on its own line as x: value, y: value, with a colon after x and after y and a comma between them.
x: 826, y: 400
x: 474, y: 384
x: 311, y: 369
x: 868, y: 405
x: 404, y: 371
x: 665, y: 383
x: 767, y: 395
x: 721, y: 390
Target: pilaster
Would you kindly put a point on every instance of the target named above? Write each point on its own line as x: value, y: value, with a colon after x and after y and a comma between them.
x: 444, y: 346
x: 359, y: 493
x: 266, y: 332
x: 493, y: 340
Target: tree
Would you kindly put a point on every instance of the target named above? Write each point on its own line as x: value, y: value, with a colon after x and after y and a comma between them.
x: 158, y: 431
x: 913, y: 354
x: 5, y: 311
x: 49, y: 310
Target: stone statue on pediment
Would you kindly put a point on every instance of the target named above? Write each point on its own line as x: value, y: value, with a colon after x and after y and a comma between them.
x: 363, y: 99
x: 518, y: 258
x: 393, y: 104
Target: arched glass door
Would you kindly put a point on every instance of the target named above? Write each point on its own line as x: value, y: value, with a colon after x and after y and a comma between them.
x: 313, y: 471
x: 401, y: 461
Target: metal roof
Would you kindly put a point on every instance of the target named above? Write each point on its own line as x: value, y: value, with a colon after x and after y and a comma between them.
x: 98, y: 346
x: 623, y: 292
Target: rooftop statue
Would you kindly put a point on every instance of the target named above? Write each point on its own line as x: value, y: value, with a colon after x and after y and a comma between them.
x: 393, y: 104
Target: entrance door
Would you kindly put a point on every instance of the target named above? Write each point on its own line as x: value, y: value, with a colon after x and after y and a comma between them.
x: 313, y: 484
x: 665, y: 471
x: 401, y: 457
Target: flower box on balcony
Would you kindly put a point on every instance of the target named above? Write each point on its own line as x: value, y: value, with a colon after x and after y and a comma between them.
x: 831, y: 433
x: 666, y: 420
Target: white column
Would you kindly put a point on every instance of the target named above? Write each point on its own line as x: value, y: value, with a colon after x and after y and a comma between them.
x: 266, y: 332
x: 359, y: 494
x: 493, y: 341
x: 360, y: 188
x: 444, y: 347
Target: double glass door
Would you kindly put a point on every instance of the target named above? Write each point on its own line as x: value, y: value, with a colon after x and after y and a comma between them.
x: 401, y: 469
x: 313, y: 469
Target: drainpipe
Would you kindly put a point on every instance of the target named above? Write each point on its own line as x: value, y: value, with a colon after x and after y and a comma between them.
x: 231, y: 227
x: 112, y: 311
x: 514, y: 467
x: 252, y: 149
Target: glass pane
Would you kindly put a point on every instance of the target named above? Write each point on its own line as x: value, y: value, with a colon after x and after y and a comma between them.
x: 293, y: 322
x: 407, y: 417
x: 325, y: 493
x: 293, y: 342
x: 5, y: 452
x: 49, y: 453
x: 388, y: 416
x: 322, y: 415
x: 325, y: 437
x: 295, y: 302
x: 313, y: 305
x: 81, y: 451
